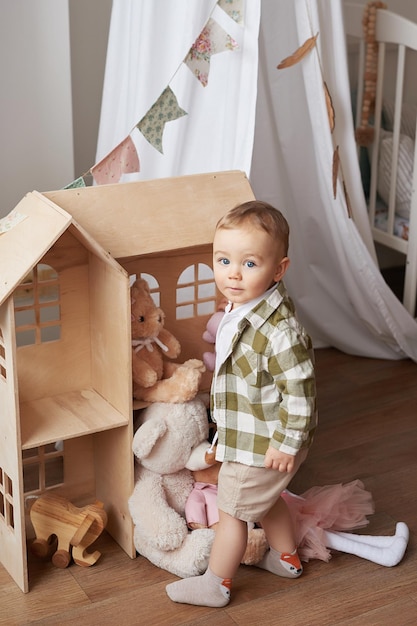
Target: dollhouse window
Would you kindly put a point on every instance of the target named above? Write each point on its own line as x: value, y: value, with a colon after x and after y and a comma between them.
x: 37, y: 307
x: 43, y: 468
x: 6, y: 499
x: 196, y: 292
x: 2, y: 358
x: 153, y: 286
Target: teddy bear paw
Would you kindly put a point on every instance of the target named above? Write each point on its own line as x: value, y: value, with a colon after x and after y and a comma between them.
x: 195, y: 364
x: 256, y: 547
x: 182, y: 386
x: 196, y: 552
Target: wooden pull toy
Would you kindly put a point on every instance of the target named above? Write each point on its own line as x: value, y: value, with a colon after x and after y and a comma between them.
x: 77, y: 528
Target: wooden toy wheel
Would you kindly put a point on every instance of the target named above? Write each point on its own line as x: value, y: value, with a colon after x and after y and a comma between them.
x: 42, y: 548
x: 61, y: 559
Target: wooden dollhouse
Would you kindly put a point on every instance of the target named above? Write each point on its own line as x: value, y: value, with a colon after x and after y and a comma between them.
x: 65, y: 391
x: 65, y: 347
x: 162, y: 230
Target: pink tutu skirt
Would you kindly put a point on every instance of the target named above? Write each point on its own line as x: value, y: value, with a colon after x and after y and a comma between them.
x: 341, y: 507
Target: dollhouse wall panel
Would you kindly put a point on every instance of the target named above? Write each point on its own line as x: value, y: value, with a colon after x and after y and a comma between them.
x: 62, y: 365
x: 110, y: 330
x: 115, y: 482
x: 80, y: 482
x: 67, y: 252
x: 12, y: 536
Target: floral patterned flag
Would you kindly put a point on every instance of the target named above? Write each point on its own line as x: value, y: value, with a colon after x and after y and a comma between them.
x: 233, y: 8
x: 10, y: 221
x: 165, y: 109
x: 212, y: 40
x: 123, y: 159
x: 79, y: 182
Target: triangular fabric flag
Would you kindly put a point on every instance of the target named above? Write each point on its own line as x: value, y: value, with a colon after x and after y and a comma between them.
x: 78, y: 182
x: 123, y: 159
x: 212, y: 40
x: 165, y: 109
x: 233, y: 8
x: 10, y: 221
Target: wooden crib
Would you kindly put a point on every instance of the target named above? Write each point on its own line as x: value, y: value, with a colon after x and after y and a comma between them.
x: 391, y: 121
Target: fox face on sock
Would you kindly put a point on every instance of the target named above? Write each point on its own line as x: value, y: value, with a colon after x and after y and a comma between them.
x: 291, y: 562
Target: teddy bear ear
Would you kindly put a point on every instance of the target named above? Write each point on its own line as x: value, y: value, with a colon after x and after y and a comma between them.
x: 140, y: 286
x: 147, y: 436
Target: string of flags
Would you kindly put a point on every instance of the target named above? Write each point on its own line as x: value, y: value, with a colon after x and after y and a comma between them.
x: 124, y: 159
x: 297, y: 56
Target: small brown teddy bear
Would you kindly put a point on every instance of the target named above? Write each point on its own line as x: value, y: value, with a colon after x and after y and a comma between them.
x: 154, y: 379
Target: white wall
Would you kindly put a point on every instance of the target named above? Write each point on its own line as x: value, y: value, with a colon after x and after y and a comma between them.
x: 52, y: 59
x: 89, y: 29
x: 35, y: 110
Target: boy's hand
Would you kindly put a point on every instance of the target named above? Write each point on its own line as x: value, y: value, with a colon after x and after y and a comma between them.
x: 279, y: 460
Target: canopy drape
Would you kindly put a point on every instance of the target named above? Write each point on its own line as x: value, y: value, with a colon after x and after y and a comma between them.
x: 273, y: 124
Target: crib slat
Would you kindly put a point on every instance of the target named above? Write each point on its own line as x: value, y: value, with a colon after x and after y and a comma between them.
x: 396, y: 35
x: 396, y: 136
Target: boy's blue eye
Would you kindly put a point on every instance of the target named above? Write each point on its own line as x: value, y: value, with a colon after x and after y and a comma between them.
x: 250, y: 263
x: 224, y: 261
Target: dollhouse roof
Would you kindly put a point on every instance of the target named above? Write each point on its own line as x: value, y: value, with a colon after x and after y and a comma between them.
x: 33, y: 227
x: 153, y: 216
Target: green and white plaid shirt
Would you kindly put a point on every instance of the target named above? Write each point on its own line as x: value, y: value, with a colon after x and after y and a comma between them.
x: 264, y: 392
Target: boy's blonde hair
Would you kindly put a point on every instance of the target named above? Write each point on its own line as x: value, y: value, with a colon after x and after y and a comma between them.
x: 259, y: 214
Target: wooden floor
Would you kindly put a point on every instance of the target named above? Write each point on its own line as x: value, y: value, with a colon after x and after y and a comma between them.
x: 368, y: 430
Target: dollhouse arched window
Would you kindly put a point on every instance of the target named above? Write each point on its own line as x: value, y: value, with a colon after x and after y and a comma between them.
x: 196, y: 292
x: 154, y: 287
x: 2, y: 358
x: 37, y: 307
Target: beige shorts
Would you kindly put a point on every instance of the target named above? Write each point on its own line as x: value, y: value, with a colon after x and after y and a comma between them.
x: 248, y: 493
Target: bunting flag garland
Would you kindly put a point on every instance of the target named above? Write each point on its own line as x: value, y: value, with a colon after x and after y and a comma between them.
x: 233, y: 8
x: 10, y: 221
x: 123, y: 159
x: 293, y: 59
x: 79, y: 182
x: 165, y: 109
x: 213, y: 39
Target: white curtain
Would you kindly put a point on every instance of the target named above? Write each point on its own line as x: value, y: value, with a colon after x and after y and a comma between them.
x: 338, y: 289
x: 339, y: 292
x: 148, y: 42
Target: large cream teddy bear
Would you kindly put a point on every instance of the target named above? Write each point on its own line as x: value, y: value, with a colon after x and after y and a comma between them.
x: 170, y: 445
x: 163, y: 443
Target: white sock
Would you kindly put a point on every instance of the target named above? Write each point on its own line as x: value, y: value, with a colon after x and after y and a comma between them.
x: 283, y: 564
x: 387, y: 551
x: 381, y: 541
x: 205, y: 590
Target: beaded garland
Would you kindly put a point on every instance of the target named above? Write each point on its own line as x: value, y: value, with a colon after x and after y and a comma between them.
x: 365, y: 133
